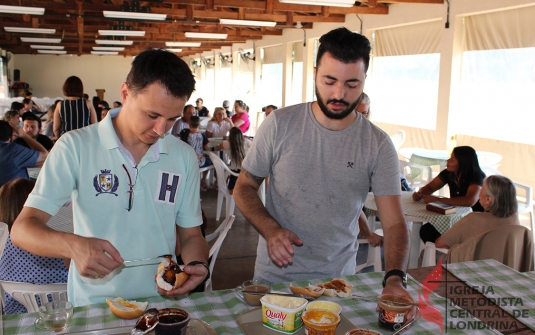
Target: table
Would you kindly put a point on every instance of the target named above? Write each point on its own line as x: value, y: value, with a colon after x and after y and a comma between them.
x: 221, y: 308
x: 488, y: 277
x: 430, y: 157
x: 416, y: 213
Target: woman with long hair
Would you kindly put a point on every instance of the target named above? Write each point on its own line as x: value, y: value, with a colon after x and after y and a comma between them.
x: 238, y: 145
x: 219, y: 125
x: 240, y: 117
x: 74, y: 112
x: 17, y: 264
x: 498, y: 198
x: 463, y: 176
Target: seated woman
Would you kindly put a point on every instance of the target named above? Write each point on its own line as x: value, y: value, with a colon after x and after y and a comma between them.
x: 219, y: 125
x: 17, y: 264
x: 238, y: 145
x: 464, y: 178
x: 498, y: 198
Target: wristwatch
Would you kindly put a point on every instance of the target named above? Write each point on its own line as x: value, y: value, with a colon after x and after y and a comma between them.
x: 398, y: 273
x: 203, y: 264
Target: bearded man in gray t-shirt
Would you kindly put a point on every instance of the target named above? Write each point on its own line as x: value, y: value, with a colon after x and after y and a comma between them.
x: 321, y: 159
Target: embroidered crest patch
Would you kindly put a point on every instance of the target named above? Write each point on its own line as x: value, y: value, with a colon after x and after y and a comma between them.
x: 106, y: 182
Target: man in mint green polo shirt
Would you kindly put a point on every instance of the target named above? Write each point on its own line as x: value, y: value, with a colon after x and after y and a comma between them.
x: 135, y: 192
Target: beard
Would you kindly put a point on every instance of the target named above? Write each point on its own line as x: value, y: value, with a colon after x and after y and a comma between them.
x: 350, y: 107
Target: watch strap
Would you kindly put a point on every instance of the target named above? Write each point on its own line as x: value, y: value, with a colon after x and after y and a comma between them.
x: 398, y: 273
x: 203, y: 264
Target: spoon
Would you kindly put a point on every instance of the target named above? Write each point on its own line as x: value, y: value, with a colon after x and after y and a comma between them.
x: 148, y: 259
x: 146, y: 322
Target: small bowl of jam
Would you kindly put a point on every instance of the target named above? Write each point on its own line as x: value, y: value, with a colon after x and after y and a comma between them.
x: 172, y: 321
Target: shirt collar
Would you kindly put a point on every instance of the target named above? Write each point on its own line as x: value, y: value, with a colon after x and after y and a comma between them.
x: 110, y: 140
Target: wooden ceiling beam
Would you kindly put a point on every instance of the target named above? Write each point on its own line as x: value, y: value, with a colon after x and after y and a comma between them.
x: 380, y: 9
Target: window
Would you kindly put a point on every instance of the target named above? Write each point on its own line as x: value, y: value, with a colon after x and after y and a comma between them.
x: 496, y: 98
x: 271, y: 76
x: 404, y: 90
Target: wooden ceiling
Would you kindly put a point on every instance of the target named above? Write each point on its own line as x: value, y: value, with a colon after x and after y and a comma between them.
x: 77, y: 21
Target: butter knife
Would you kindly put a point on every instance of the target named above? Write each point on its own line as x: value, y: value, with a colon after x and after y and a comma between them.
x: 148, y: 259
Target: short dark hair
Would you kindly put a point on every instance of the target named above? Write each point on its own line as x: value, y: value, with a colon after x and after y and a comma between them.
x: 17, y: 106
x: 187, y: 106
x: 5, y: 131
x: 345, y: 46
x: 194, y: 122
x: 86, y: 96
x: 28, y: 93
x: 30, y: 116
x: 118, y: 103
x: 163, y: 67
x: 199, y: 99
x: 26, y: 101
x: 272, y: 106
x: 104, y: 103
x: 73, y: 87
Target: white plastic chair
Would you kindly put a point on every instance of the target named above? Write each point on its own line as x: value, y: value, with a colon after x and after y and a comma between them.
x: 430, y: 254
x: 490, y: 171
x: 417, y: 175
x: 398, y: 137
x: 220, y: 233
x: 26, y: 293
x: 525, y: 202
x: 223, y: 172
x: 374, y: 255
x: 488, y: 159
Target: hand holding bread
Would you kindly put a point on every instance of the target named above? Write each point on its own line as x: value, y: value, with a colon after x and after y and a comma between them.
x: 171, y: 280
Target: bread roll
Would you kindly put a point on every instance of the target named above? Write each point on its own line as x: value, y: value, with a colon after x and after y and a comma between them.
x: 126, y: 309
x: 337, y: 287
x: 170, y: 276
x: 313, y: 291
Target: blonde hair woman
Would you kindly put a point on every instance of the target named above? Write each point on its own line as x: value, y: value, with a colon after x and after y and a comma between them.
x: 219, y: 125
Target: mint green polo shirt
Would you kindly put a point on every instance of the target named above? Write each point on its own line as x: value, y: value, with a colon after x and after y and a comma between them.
x: 87, y: 165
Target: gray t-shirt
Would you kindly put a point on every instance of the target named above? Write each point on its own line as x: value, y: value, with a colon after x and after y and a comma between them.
x: 319, y: 180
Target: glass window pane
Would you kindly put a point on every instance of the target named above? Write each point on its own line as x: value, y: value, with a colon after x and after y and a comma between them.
x: 496, y: 99
x: 404, y: 90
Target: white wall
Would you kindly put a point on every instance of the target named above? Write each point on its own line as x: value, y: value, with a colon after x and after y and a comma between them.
x: 46, y: 73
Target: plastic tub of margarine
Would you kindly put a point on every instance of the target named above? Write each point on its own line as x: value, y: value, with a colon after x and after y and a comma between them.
x: 282, y: 314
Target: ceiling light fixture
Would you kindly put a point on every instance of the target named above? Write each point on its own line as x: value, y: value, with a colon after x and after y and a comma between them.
x: 30, y: 30
x: 108, y: 48
x: 206, y: 35
x: 248, y: 23
x: 175, y: 50
x: 121, y: 32
x: 104, y: 52
x: 134, y: 15
x: 49, y: 47
x: 40, y: 40
x: 22, y: 10
x: 116, y: 42
x: 54, y: 52
x: 333, y: 3
x: 183, y: 44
